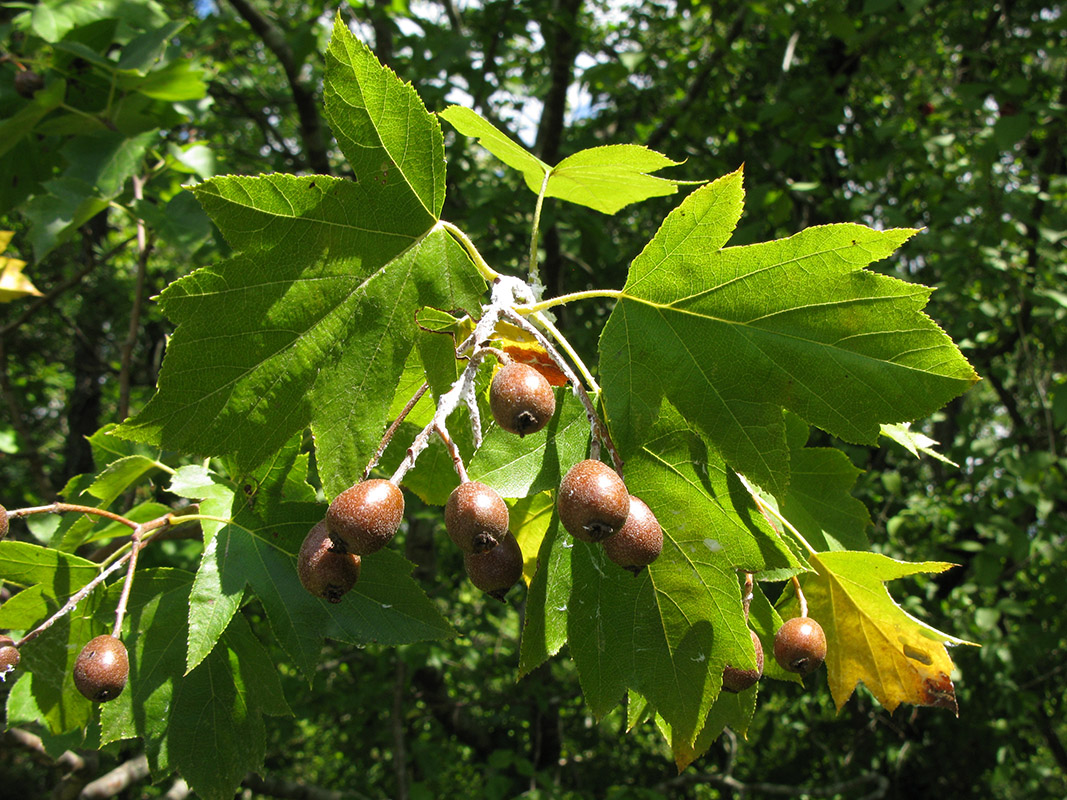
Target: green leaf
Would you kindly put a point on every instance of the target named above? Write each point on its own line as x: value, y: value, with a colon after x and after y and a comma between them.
x: 472, y: 124
x: 914, y: 442
x: 207, y: 724
x: 68, y: 204
x: 544, y: 630
x: 27, y: 564
x: 105, y: 161
x: 393, y: 144
x: 604, y: 178
x: 178, y: 81
x: 327, y: 285
x: 611, y: 177
x: 142, y: 52
x: 519, y: 467
x: 327, y: 291
x: 730, y: 336
x: 14, y: 128
x: 819, y: 503
x: 669, y: 633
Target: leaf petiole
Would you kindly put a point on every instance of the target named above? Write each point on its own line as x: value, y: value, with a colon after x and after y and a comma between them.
x: 482, y: 265
x: 544, y: 305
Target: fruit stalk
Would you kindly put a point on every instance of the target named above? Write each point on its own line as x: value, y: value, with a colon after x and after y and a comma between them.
x: 120, y: 610
x: 388, y: 436
x: 800, y: 597
x: 457, y: 459
x: 598, y: 430
x: 80, y: 595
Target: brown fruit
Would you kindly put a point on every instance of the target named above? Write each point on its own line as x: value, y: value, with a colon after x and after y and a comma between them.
x: 476, y: 517
x: 363, y: 518
x: 521, y: 399
x: 735, y: 679
x: 593, y: 502
x: 323, y: 571
x: 497, y: 570
x: 800, y: 645
x: 102, y: 668
x: 640, y: 540
x: 5, y: 525
x: 9, y: 656
x: 28, y: 83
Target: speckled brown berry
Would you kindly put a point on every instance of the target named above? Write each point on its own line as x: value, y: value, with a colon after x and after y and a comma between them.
x: 497, y: 570
x: 800, y: 645
x: 640, y: 540
x: 476, y: 517
x: 5, y: 524
x: 735, y: 679
x: 593, y: 502
x: 9, y: 656
x: 324, y: 571
x: 102, y: 668
x: 363, y: 518
x: 521, y: 399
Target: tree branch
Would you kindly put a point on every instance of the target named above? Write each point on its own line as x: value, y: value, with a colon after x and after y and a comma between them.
x: 303, y: 95
x: 118, y: 780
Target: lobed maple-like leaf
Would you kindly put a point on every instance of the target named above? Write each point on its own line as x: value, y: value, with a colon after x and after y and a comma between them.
x: 313, y: 319
x: 731, y: 336
x: 872, y: 639
x: 819, y: 502
x: 207, y: 723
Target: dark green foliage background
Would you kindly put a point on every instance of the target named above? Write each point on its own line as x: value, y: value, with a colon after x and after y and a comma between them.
x: 896, y: 114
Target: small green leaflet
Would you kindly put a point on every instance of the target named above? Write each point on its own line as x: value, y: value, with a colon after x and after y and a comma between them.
x: 914, y: 441
x: 313, y: 319
x: 732, y: 335
x: 604, y: 178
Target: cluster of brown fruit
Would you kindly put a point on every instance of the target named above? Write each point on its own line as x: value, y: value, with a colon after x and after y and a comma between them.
x: 593, y: 504
x: 799, y: 647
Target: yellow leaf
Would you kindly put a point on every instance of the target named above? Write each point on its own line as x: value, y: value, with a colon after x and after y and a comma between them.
x: 13, y: 284
x: 872, y: 639
x: 529, y: 518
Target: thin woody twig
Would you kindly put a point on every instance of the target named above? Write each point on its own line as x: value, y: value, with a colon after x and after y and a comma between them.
x: 387, y: 437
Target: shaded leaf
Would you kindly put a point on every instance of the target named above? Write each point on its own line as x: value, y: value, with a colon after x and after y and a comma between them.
x: 819, y: 503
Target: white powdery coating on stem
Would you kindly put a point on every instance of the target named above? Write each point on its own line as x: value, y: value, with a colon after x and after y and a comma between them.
x: 507, y: 291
